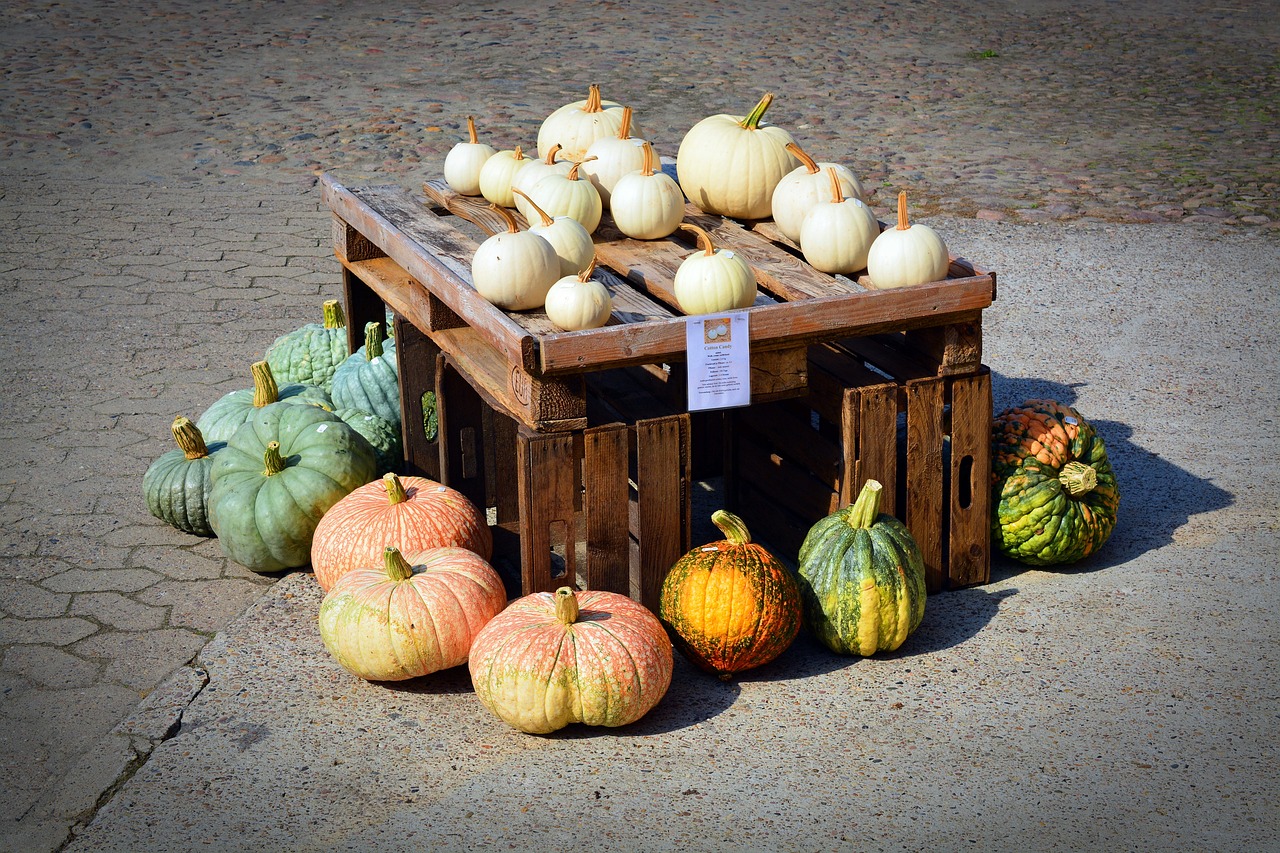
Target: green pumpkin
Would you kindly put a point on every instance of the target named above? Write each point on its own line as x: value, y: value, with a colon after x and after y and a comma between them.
x: 382, y: 435
x: 277, y: 476
x: 369, y: 379
x: 223, y: 418
x: 177, y: 484
x: 309, y: 355
x: 861, y: 578
x: 1054, y: 495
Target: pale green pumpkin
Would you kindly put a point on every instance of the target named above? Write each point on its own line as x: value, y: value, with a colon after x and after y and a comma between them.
x: 220, y: 421
x: 310, y: 354
x: 177, y: 484
x: 369, y: 379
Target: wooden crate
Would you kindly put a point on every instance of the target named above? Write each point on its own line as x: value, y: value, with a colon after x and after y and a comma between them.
x: 876, y: 408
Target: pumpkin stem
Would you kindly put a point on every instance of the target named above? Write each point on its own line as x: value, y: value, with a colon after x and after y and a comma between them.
x: 646, y: 165
x: 189, y: 438
x: 395, y: 489
x: 752, y: 121
x: 866, y: 508
x: 837, y: 191
x: 704, y: 239
x: 546, y: 220
x: 585, y: 275
x: 518, y: 153
x: 265, y: 390
x: 809, y: 162
x: 272, y: 460
x: 1078, y: 478
x: 550, y: 159
x: 398, y: 568
x: 566, y: 605
x: 733, y: 527
x: 903, y: 225
x: 334, y: 317
x: 372, y: 340
x: 593, y: 104
x: 471, y: 129
x: 624, y: 129
x: 573, y: 172
x: 512, y: 228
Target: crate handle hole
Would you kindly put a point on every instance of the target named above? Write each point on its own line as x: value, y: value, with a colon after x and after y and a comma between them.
x: 965, y: 482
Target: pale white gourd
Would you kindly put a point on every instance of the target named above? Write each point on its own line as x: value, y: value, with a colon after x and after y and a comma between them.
x: 514, y: 269
x: 907, y: 254
x: 528, y: 177
x: 578, y: 302
x: 464, y: 161
x: 713, y: 280
x: 837, y: 233
x: 566, y: 235
x: 498, y: 172
x: 647, y: 205
x: 803, y: 187
x: 730, y: 165
x: 575, y: 126
x: 569, y: 195
x: 615, y: 156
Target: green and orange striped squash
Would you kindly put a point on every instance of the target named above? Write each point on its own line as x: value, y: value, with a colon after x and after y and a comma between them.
x: 862, y: 578
x: 730, y: 606
x: 1054, y: 494
x: 551, y: 659
x: 411, y: 614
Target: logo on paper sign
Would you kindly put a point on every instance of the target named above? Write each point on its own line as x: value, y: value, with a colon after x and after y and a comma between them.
x: 716, y: 331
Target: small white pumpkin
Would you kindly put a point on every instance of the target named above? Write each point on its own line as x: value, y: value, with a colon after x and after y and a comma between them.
x: 498, y: 172
x: 730, y: 165
x: 578, y: 302
x: 527, y: 178
x: 837, y: 234
x: 804, y: 187
x: 907, y: 255
x: 514, y: 269
x: 713, y: 280
x: 569, y: 195
x: 647, y: 205
x: 575, y: 126
x: 464, y: 161
x: 565, y: 234
x: 615, y: 156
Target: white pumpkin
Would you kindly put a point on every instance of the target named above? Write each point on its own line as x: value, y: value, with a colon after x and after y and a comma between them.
x: 647, y: 205
x: 464, y: 161
x: 569, y: 195
x: 837, y: 233
x: 713, y: 280
x: 730, y: 165
x: 803, y: 187
x: 528, y: 177
x: 578, y: 302
x: 498, y: 172
x: 566, y: 235
x: 615, y: 156
x: 575, y: 126
x: 907, y: 254
x: 514, y: 269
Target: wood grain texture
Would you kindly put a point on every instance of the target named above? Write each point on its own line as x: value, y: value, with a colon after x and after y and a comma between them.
x: 925, y: 511
x: 416, y: 357
x: 662, y: 480
x: 970, y: 534
x: 606, y: 451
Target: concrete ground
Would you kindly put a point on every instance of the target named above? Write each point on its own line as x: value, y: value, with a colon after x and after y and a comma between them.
x: 1114, y: 163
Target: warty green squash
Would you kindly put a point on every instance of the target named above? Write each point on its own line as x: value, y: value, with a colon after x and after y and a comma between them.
x: 310, y: 354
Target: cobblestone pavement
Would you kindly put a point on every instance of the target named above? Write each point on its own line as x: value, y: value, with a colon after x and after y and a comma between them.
x: 157, y: 178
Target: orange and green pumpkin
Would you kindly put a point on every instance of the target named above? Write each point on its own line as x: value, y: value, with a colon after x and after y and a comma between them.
x: 1054, y: 495
x: 862, y: 578
x: 730, y: 606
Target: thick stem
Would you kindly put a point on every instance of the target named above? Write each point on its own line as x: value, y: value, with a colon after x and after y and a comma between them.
x: 585, y: 275
x: 903, y: 225
x: 372, y: 340
x: 646, y: 165
x: 624, y: 129
x: 395, y: 489
x: 265, y: 390
x: 809, y: 162
x: 398, y: 568
x: 550, y: 159
x: 273, y: 462
x: 546, y: 220
x: 752, y: 121
x: 573, y: 171
x: 1078, y: 478
x: 867, y: 507
x: 189, y: 438
x: 733, y: 527
x: 837, y: 191
x: 512, y: 228
x: 704, y: 239
x: 471, y: 129
x: 334, y: 317
x: 593, y: 104
x: 518, y: 153
x: 566, y: 605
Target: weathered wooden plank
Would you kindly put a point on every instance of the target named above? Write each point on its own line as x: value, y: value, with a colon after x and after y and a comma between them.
x: 869, y: 433
x: 925, y: 510
x: 662, y: 480
x: 403, y: 294
x: 416, y: 356
x: 956, y: 347
x: 461, y: 416
x: 605, y: 499
x: 350, y: 245
x: 548, y: 486
x: 970, y: 532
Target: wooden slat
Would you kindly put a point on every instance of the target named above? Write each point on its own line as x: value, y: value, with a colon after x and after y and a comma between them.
x: 956, y: 347
x: 924, y: 515
x: 605, y: 499
x: 362, y: 304
x: 662, y: 480
x: 416, y: 359
x: 970, y: 533
x: 869, y: 433
x: 461, y: 413
x: 547, y: 490
x: 402, y: 294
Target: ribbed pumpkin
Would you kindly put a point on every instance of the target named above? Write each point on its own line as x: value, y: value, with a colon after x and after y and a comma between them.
x: 731, y: 605
x: 411, y: 614
x: 383, y: 436
x: 411, y: 513
x: 177, y: 484
x: 861, y: 578
x: 221, y: 420
x: 590, y: 657
x: 308, y: 355
x: 369, y: 378
x: 1055, y: 496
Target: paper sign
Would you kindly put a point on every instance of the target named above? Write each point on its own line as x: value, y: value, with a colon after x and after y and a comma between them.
x: 719, y: 350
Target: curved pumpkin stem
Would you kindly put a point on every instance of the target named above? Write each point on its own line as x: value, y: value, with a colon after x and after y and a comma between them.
x: 1078, y: 478
x: 585, y: 275
x: 272, y: 460
x: 903, y: 225
x: 593, y: 104
x: 471, y: 130
x: 733, y: 527
x: 372, y: 340
x: 397, y: 567
x: 704, y: 239
x: 573, y: 172
x: 752, y: 120
x: 334, y: 317
x: 395, y: 489
x: 265, y: 389
x: 646, y: 164
x: 624, y: 129
x: 512, y: 228
x: 837, y: 191
x: 866, y: 508
x: 566, y: 605
x: 550, y: 159
x: 546, y: 220
x: 809, y: 162
x: 189, y: 438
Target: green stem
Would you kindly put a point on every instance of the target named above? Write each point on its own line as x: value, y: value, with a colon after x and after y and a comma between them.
x: 273, y: 461
x: 189, y: 438
x: 733, y: 527
x: 866, y: 508
x: 265, y: 390
x: 1078, y: 478
x: 566, y: 605
x: 395, y: 489
x: 398, y: 568
x: 752, y: 121
x: 372, y: 340
x: 334, y: 317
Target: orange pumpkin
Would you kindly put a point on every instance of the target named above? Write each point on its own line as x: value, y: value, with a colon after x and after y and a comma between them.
x: 411, y: 513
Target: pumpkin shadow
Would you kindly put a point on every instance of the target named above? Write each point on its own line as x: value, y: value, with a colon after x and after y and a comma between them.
x: 446, y: 682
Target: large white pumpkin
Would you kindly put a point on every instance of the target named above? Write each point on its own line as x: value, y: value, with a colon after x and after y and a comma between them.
x: 647, y: 205
x: 514, y: 269
x: 575, y: 126
x: 803, y: 187
x: 611, y: 157
x: 907, y: 254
